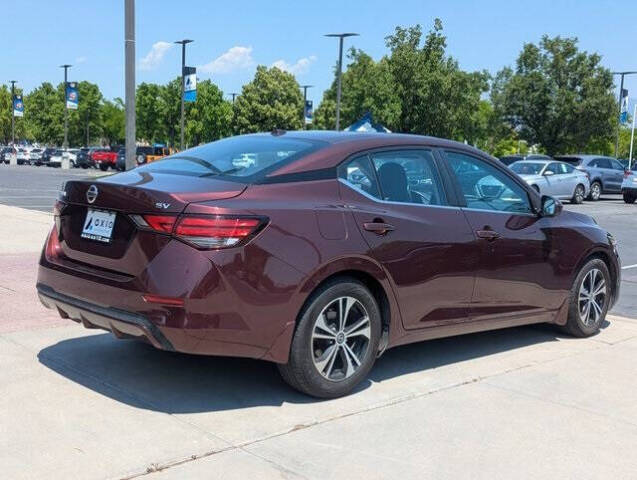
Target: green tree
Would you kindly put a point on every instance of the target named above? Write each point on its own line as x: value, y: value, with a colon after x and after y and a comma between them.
x: 114, y: 120
x: 271, y: 100
x: 210, y: 117
x: 44, y: 114
x: 437, y: 98
x: 558, y: 96
x: 85, y: 122
x: 148, y: 102
x: 169, y: 110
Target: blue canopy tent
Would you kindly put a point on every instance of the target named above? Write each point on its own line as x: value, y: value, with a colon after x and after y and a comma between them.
x: 367, y: 124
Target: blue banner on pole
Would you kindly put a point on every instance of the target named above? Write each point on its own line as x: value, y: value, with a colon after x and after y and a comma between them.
x: 623, y: 115
x: 308, y: 111
x: 72, y: 96
x: 18, y: 106
x: 190, y: 84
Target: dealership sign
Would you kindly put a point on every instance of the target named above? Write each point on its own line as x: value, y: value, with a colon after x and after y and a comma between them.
x: 623, y: 116
x: 190, y: 84
x: 308, y: 111
x: 71, y: 95
x: 18, y: 106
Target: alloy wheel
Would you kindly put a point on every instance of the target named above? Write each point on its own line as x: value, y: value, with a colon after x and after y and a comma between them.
x: 340, y: 338
x: 579, y: 194
x: 592, y: 297
x: 596, y: 191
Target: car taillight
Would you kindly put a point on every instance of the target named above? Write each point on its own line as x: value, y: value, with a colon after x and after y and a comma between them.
x: 216, y: 232
x: 161, y: 223
x: 210, y: 231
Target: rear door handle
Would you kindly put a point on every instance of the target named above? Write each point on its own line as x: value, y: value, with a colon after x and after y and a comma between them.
x: 487, y: 234
x: 379, y: 228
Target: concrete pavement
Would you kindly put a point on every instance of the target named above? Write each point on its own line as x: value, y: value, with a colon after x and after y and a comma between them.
x: 525, y: 402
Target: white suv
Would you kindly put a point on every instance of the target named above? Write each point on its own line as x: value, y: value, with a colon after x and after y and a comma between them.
x: 629, y: 185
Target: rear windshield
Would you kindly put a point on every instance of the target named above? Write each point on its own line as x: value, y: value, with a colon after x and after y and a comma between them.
x: 572, y: 160
x: 245, y: 158
x: 527, y: 168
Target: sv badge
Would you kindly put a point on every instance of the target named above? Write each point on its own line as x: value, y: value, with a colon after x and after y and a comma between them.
x: 162, y: 205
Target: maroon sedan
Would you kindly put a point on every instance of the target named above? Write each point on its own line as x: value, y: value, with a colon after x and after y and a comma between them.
x: 319, y: 250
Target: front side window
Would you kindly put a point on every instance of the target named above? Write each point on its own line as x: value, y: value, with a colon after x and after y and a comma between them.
x: 485, y: 187
x: 408, y: 176
x: 601, y: 163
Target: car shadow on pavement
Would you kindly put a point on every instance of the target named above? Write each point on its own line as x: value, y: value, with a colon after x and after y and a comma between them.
x: 138, y: 375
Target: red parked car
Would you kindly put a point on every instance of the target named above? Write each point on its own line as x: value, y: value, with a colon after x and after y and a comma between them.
x: 319, y: 250
x: 105, y: 158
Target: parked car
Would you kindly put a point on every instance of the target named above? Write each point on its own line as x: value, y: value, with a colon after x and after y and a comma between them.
x: 629, y: 184
x: 72, y: 154
x: 46, y: 155
x: 558, y: 179
x: 121, y: 160
x: 606, y: 173
x: 105, y: 158
x: 7, y: 154
x: 22, y: 156
x: 55, y: 158
x: 509, y: 159
x: 327, y: 250
x: 35, y: 157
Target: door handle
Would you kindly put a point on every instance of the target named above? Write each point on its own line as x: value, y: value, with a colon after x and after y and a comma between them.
x: 487, y: 234
x: 379, y: 228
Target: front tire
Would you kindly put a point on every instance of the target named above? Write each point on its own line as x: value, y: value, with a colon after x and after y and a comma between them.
x: 629, y: 198
x: 336, y: 340
x: 103, y: 167
x: 590, y: 299
x: 596, y: 191
x: 578, y: 194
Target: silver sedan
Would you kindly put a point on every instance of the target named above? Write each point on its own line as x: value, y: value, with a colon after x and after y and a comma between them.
x: 557, y: 179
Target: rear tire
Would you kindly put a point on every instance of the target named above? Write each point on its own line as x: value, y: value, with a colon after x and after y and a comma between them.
x: 103, y: 167
x: 330, y: 356
x: 590, y: 298
x: 596, y: 191
x: 629, y: 198
x: 578, y: 194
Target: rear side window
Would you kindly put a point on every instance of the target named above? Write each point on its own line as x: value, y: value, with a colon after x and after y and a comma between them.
x: 553, y: 167
x: 617, y: 165
x: 484, y: 187
x: 566, y: 168
x: 601, y: 163
x: 359, y: 173
x: 409, y: 176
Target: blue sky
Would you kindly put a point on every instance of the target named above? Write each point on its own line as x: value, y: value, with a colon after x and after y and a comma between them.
x: 231, y: 38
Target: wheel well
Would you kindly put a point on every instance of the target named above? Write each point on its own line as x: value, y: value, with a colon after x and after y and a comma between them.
x: 372, y: 284
x: 536, y: 188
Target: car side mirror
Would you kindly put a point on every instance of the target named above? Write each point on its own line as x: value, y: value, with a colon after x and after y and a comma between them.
x: 550, y: 206
x: 548, y: 173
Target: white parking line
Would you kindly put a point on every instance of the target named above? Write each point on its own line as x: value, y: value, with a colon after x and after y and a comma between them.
x: 626, y: 267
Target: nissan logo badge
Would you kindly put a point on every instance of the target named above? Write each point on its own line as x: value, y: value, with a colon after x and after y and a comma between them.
x: 91, y: 194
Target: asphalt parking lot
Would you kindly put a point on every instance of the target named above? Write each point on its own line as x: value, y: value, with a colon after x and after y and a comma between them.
x: 518, y: 403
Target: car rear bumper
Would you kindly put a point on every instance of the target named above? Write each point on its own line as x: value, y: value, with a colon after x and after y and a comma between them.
x: 121, y: 323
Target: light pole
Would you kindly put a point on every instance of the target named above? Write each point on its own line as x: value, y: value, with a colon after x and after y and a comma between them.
x: 621, y: 90
x: 305, y: 87
x: 129, y: 53
x: 632, y: 139
x: 66, y: 110
x: 234, y: 94
x: 183, y: 44
x: 13, y: 82
x: 340, y: 36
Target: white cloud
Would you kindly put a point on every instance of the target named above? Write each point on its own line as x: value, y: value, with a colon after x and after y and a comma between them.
x: 236, y: 58
x: 79, y: 60
x: 154, y: 57
x: 301, y: 66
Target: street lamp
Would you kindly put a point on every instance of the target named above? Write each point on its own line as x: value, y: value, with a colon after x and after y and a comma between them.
x: 340, y: 36
x: 183, y: 44
x: 13, y: 82
x: 66, y: 110
x: 129, y: 55
x: 305, y: 87
x: 621, y: 90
